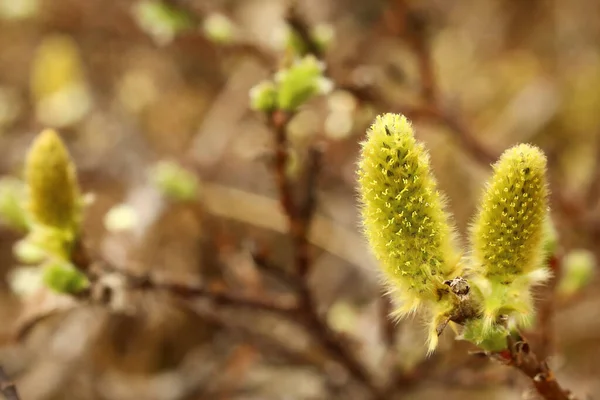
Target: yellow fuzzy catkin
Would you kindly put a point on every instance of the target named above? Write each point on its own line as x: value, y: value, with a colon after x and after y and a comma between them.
x: 52, y: 183
x: 403, y: 215
x: 508, y: 235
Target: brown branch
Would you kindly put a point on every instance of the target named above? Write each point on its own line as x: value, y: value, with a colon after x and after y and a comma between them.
x: 220, y: 297
x: 546, y: 309
x: 278, y: 121
x: 302, y: 29
x: 7, y: 387
x: 388, y: 327
x: 593, y: 192
x: 262, y: 262
x: 299, y: 217
x: 281, y: 306
x: 520, y: 356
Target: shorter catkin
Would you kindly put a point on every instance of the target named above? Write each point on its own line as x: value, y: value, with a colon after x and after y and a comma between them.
x: 508, y: 235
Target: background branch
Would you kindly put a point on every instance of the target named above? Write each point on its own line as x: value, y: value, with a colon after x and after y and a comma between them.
x: 7, y: 387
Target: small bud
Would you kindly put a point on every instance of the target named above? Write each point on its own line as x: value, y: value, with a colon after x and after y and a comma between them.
x: 343, y: 317
x: 161, y: 20
x: 263, y: 97
x: 493, y: 339
x: 64, y: 278
x: 218, y: 28
x: 294, y: 43
x: 578, y: 270
x: 323, y: 35
x: 54, y: 198
x: 120, y: 218
x: 12, y: 200
x: 25, y: 281
x: 175, y: 182
x: 299, y: 83
x: 27, y: 252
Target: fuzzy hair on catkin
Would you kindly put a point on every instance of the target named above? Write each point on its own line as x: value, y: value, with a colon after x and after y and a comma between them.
x: 404, y: 218
x: 508, y: 234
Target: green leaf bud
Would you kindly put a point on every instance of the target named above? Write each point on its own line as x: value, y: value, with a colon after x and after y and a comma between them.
x: 300, y: 82
x: 494, y: 339
x: 323, y: 35
x: 578, y: 267
x: 27, y: 252
x: 161, y: 20
x: 218, y: 28
x: 174, y: 181
x: 120, y: 218
x: 64, y: 278
x: 263, y: 96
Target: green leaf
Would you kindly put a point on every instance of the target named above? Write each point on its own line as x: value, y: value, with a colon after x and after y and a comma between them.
x: 174, y: 181
x: 162, y: 20
x: 300, y: 82
x: 64, y: 278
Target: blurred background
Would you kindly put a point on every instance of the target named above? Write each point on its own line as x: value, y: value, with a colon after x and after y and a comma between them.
x: 152, y: 100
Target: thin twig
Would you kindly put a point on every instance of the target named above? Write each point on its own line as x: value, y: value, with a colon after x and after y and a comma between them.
x: 521, y: 357
x: 299, y: 217
x: 262, y: 262
x: 546, y: 310
x: 7, y: 387
x: 82, y: 259
x: 279, y: 121
x: 280, y: 306
x: 302, y: 29
x: 388, y: 327
x: 593, y: 192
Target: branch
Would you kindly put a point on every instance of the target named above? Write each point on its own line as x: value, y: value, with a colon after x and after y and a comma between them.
x: 299, y: 217
x: 593, y: 192
x: 281, y: 306
x: 221, y: 297
x: 546, y: 309
x: 302, y: 29
x: 522, y: 358
x: 7, y: 387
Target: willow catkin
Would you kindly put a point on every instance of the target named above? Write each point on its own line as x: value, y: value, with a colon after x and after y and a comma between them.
x: 405, y: 221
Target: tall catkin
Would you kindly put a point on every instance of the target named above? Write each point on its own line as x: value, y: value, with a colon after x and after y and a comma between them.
x: 405, y: 221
